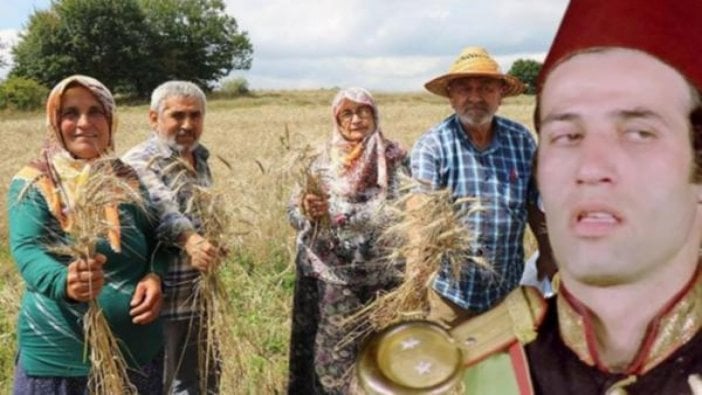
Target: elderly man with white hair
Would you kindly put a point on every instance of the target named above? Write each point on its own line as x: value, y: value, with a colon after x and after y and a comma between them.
x: 176, y: 117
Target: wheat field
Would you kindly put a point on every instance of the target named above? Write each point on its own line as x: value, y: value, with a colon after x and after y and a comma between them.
x: 257, y: 135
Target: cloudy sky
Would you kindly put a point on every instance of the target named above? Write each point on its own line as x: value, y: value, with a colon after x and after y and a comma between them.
x: 390, y: 45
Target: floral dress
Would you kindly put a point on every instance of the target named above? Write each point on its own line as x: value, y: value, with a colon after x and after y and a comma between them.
x: 340, y: 268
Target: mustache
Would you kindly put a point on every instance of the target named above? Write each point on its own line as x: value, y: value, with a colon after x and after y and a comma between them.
x: 478, y: 106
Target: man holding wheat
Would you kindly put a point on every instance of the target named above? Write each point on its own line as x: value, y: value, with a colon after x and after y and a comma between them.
x: 172, y: 163
x: 476, y: 154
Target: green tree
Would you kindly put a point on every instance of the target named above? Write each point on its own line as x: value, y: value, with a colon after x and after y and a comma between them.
x: 197, y: 40
x: 131, y: 45
x: 22, y: 94
x: 101, y: 38
x: 35, y: 55
x: 527, y: 70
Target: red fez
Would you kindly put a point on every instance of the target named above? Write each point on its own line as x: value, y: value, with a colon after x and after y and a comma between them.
x: 669, y: 30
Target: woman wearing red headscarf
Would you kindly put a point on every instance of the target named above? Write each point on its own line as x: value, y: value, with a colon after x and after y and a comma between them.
x: 339, y: 266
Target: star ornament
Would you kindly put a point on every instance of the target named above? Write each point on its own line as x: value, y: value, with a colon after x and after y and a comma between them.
x: 409, y: 344
x: 423, y: 368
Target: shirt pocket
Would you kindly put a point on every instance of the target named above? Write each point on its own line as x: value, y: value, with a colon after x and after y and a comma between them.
x: 514, y: 184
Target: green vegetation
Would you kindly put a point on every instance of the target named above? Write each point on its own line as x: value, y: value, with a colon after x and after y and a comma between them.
x: 527, y: 70
x: 233, y: 87
x: 22, y: 94
x: 132, y: 45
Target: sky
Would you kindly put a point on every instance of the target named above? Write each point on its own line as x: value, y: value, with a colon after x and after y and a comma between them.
x: 382, y: 45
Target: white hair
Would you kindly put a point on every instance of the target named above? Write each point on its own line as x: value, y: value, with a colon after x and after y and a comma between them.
x: 178, y: 89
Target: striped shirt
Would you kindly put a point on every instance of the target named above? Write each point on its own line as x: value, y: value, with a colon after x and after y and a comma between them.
x: 152, y: 159
x: 500, y: 176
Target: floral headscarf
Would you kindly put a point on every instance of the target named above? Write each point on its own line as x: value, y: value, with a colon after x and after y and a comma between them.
x: 356, y: 166
x: 57, y: 173
x: 53, y: 142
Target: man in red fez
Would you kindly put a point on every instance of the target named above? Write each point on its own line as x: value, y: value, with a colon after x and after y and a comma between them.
x: 619, y: 174
x: 619, y: 171
x: 619, y: 122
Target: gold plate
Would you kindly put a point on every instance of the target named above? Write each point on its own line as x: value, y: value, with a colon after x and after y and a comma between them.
x: 410, y: 358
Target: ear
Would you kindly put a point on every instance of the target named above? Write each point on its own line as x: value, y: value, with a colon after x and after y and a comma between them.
x: 153, y: 119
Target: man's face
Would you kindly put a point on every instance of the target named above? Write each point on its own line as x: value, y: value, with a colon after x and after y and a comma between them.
x: 614, y: 165
x: 179, y: 123
x: 475, y: 99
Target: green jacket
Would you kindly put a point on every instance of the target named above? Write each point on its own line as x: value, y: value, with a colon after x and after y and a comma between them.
x: 50, y: 326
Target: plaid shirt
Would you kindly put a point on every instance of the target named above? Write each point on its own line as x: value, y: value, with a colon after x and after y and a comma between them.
x: 150, y: 159
x: 501, y: 177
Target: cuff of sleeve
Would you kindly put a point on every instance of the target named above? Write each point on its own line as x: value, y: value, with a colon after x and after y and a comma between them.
x: 169, y: 231
x: 61, y: 290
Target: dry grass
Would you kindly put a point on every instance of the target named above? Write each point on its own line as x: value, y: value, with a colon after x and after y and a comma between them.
x: 250, y: 133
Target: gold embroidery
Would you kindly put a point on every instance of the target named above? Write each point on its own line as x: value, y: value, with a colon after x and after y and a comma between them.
x: 677, y: 327
x: 572, y: 327
x: 618, y: 387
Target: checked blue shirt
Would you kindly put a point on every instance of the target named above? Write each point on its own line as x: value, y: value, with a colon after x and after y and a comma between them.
x: 500, y: 176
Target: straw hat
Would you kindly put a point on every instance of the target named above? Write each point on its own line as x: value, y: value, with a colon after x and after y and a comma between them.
x: 474, y: 62
x: 668, y: 30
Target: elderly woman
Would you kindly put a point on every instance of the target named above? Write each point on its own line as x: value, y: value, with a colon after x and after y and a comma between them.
x: 121, y: 275
x: 339, y: 266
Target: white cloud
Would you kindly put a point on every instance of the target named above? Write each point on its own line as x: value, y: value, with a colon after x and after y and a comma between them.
x: 385, y: 73
x: 8, y: 37
x: 391, y: 45
x: 381, y: 45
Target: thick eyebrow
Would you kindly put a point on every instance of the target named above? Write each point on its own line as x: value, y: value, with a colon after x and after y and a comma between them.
x: 560, y: 117
x: 637, y: 112
x: 634, y: 113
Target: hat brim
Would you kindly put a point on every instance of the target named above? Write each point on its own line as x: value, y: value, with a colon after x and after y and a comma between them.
x: 439, y: 85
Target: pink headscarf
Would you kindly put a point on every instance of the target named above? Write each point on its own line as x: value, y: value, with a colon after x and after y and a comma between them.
x: 356, y: 166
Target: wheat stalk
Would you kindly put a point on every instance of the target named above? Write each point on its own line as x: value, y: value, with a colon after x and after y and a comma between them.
x: 210, y: 297
x: 431, y: 233
x: 311, y: 180
x: 108, y: 368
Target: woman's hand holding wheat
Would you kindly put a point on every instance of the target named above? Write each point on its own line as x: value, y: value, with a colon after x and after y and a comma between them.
x: 314, y: 206
x: 85, y: 278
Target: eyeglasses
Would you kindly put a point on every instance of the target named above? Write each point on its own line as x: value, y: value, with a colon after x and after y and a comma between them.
x: 363, y: 112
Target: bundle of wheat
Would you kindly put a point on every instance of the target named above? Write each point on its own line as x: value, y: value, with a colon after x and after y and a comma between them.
x: 92, y: 220
x: 210, y: 298
x: 310, y: 179
x: 425, y: 231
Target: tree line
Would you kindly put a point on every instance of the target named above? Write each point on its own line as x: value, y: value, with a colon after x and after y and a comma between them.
x: 131, y: 45
x: 134, y: 45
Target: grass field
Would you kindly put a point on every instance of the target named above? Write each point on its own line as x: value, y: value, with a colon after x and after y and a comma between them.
x: 257, y: 135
